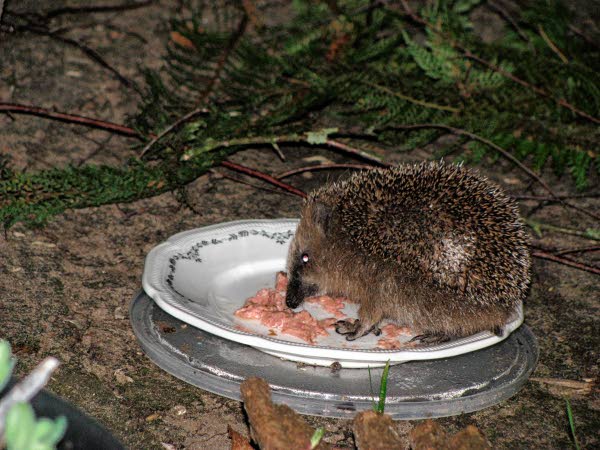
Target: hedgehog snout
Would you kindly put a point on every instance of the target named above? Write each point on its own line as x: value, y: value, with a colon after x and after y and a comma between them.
x: 298, y: 290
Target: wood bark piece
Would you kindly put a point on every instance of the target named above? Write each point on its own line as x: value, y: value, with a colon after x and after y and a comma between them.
x: 274, y: 427
x: 469, y: 439
x: 238, y: 442
x: 374, y: 431
x: 430, y: 436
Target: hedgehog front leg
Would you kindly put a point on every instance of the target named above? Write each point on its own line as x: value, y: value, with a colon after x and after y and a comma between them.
x: 367, y: 322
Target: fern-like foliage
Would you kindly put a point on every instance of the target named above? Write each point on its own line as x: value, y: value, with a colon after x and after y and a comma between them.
x: 361, y: 67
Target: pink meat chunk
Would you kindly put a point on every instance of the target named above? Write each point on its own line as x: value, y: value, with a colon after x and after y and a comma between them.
x: 389, y: 344
x: 268, y: 306
x: 281, y: 282
x: 331, y: 305
x: 392, y: 331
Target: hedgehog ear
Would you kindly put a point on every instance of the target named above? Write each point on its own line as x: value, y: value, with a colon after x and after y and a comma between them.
x: 322, y: 215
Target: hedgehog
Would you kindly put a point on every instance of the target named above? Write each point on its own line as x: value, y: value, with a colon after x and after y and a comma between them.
x: 436, y: 247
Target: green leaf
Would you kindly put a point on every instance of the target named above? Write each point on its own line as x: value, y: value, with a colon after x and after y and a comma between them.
x: 320, y: 136
x: 572, y: 424
x: 20, y: 427
x: 464, y: 6
x: 7, y: 363
x: 316, y: 437
x: 49, y: 432
x: 593, y: 233
x: 374, y: 405
x: 536, y: 227
x: 383, y: 388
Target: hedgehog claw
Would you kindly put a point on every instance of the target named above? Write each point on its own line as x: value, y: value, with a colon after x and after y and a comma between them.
x: 355, y: 329
x: 430, y: 338
x: 347, y: 326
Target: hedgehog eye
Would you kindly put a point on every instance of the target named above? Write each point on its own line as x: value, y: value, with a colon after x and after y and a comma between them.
x: 304, y: 258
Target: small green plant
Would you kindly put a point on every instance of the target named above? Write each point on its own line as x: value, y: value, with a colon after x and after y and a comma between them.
x: 316, y: 437
x: 24, y: 431
x: 7, y: 363
x: 380, y: 406
x: 572, y: 424
x: 383, y: 388
x: 21, y: 429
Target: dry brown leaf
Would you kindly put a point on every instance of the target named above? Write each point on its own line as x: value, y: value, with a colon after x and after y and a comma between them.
x: 180, y: 39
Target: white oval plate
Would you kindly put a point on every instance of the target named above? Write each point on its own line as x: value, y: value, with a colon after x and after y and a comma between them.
x: 202, y: 276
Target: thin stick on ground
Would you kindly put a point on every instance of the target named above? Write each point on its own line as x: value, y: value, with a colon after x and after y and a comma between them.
x: 263, y: 176
x: 96, y: 9
x: 214, y: 81
x: 255, y: 186
x: 552, y: 45
x: 128, y: 131
x: 565, y: 261
x: 538, y: 226
x: 356, y: 152
x: 43, y: 30
x: 568, y: 251
x: 69, y: 118
x: 413, y: 100
x: 554, y: 199
x: 505, y: 14
x: 300, y: 170
x: 583, y: 36
x: 294, y: 138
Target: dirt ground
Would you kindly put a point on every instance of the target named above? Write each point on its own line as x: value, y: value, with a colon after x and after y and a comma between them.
x: 66, y: 288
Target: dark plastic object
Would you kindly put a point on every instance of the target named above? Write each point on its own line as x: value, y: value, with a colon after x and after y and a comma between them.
x: 416, y: 389
x: 83, y: 432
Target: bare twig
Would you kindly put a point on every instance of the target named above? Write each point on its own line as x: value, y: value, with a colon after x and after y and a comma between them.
x: 43, y: 30
x: 171, y: 127
x: 293, y: 138
x: 255, y: 186
x: 567, y: 251
x: 538, y: 226
x: 200, y: 108
x: 565, y: 261
x: 69, y: 118
x: 356, y: 152
x: 580, y: 209
x: 277, y: 150
x: 505, y: 14
x: 95, y: 9
x: 289, y: 173
x: 409, y: 99
x: 587, y: 39
x: 95, y: 56
x: 468, y: 54
x: 263, y: 176
x: 554, y: 199
x: 552, y: 45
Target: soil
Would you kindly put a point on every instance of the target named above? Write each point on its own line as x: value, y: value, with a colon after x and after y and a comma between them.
x: 66, y: 287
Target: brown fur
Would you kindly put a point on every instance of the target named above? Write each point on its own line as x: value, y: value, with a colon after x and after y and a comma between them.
x: 435, y: 247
